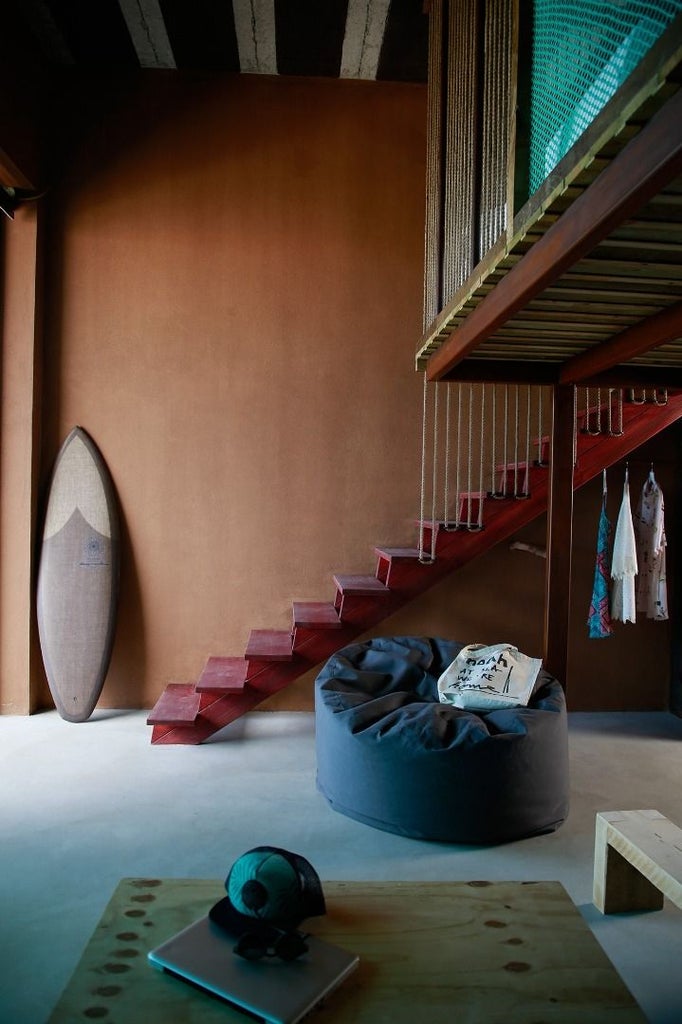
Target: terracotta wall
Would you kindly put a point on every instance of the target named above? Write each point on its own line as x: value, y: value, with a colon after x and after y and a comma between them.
x: 235, y: 291
x: 234, y: 296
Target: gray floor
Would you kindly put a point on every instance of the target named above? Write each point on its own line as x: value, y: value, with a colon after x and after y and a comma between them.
x: 82, y: 806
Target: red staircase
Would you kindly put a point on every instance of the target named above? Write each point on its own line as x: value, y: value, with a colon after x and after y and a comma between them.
x: 188, y: 713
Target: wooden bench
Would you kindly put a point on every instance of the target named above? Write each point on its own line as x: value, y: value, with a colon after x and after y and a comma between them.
x: 637, y: 861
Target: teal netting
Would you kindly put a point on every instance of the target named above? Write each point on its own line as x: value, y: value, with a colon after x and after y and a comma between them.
x: 583, y: 50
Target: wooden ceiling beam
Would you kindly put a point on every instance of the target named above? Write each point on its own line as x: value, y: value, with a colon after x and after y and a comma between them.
x: 522, y: 371
x: 507, y: 371
x: 636, y: 375
x: 642, y: 169
x: 633, y: 341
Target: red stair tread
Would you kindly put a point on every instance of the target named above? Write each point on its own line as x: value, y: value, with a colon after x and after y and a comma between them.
x: 315, y: 615
x: 397, y: 554
x: 269, y: 645
x: 177, y: 705
x: 360, y: 585
x: 223, y: 674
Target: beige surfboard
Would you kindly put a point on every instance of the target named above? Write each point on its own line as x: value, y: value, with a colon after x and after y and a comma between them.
x: 78, y: 577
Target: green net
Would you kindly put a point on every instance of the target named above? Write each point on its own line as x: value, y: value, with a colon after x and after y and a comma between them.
x: 583, y: 50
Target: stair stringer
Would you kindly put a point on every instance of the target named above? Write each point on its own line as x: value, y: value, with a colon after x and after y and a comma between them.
x: 454, y: 549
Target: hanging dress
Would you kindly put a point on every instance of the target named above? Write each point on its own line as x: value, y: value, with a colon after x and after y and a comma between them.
x: 652, y: 594
x: 599, y: 619
x: 624, y: 562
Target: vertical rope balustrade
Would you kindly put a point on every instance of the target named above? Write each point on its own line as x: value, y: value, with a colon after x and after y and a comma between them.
x: 455, y: 470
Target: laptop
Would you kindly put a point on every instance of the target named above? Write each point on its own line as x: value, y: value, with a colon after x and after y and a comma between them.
x: 269, y: 989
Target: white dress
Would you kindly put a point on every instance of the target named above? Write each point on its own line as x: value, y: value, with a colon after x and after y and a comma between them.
x: 624, y: 563
x: 652, y: 593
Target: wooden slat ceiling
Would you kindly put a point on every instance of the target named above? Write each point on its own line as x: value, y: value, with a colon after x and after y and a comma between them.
x: 588, y: 285
x: 366, y: 39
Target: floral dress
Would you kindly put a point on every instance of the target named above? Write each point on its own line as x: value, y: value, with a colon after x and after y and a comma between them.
x: 652, y: 594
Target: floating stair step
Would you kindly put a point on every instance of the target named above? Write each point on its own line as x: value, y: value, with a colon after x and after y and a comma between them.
x: 360, y: 586
x: 177, y: 705
x: 350, y: 592
x: 269, y: 645
x: 315, y: 615
x: 431, y: 524
x: 390, y: 559
x: 506, y: 476
x: 397, y: 554
x: 543, y: 446
x: 223, y: 674
x: 470, y: 499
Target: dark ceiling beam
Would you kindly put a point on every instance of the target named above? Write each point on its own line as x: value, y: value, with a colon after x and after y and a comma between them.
x: 201, y: 35
x: 642, y: 169
x: 522, y: 371
x: 507, y: 371
x: 633, y: 341
x: 635, y: 375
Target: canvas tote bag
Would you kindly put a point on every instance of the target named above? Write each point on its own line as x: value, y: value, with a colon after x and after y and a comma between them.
x: 489, y: 678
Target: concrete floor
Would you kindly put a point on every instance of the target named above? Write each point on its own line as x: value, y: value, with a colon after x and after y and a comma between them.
x: 82, y: 806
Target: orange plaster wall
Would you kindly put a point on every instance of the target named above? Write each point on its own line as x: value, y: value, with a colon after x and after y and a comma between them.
x: 234, y: 295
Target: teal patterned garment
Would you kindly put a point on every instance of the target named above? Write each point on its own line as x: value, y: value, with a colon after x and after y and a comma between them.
x: 599, y: 618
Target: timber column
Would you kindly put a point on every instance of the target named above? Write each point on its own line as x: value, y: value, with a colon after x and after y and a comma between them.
x: 559, y: 533
x: 20, y: 392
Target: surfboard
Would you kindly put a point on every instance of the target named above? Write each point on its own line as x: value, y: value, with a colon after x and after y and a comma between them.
x: 78, y: 575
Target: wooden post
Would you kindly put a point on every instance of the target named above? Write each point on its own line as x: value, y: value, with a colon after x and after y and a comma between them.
x: 559, y: 534
x: 21, y: 248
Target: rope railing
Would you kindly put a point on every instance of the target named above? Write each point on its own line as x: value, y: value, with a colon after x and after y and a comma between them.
x: 464, y: 435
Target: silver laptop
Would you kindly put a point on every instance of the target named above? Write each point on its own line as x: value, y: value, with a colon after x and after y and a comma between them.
x: 276, y: 991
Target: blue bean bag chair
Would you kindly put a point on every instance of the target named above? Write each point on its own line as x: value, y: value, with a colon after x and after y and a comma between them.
x: 391, y: 755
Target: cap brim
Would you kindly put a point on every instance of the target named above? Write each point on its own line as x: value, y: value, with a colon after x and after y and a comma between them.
x: 223, y: 913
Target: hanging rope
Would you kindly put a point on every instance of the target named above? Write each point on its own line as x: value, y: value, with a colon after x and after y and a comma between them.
x: 541, y: 446
x: 502, y: 491
x: 637, y: 401
x: 588, y: 412
x: 469, y: 453
x: 665, y: 396
x: 575, y: 425
x: 459, y: 456
x: 422, y: 496
x: 516, y: 441
x: 446, y: 479
x: 434, y: 476
x: 493, y: 447
x: 526, y: 481
x: 619, y: 409
x: 480, y: 460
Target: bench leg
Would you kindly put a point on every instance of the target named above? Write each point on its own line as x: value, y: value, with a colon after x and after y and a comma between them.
x: 618, y: 886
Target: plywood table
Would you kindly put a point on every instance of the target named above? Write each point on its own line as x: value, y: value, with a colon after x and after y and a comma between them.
x: 494, y: 952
